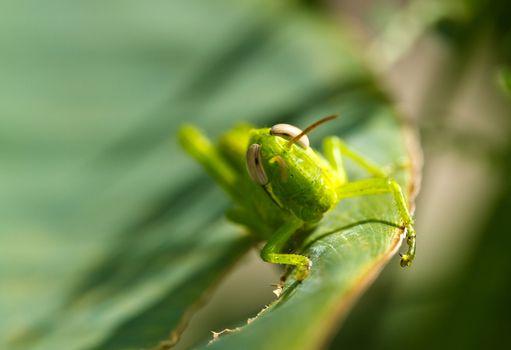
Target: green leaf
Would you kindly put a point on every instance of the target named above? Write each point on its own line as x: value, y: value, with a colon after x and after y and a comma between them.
x: 348, y: 249
x: 111, y: 236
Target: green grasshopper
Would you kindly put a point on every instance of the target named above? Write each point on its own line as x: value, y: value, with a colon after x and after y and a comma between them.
x: 281, y: 186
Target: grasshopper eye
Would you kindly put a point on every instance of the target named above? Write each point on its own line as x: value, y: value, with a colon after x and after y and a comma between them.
x: 254, y: 165
x: 290, y: 131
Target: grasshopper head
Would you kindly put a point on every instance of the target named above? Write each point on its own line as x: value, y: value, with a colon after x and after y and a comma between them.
x: 295, y: 177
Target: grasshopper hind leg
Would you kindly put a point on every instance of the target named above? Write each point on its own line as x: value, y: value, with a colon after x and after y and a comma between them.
x: 335, y: 149
x: 375, y: 186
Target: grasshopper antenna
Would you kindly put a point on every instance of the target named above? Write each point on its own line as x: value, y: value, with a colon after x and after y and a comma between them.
x: 310, y: 128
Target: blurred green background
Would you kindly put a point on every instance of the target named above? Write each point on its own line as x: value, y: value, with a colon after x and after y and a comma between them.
x: 92, y: 181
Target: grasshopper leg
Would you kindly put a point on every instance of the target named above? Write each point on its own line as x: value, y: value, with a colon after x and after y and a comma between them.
x: 272, y: 251
x: 379, y: 186
x: 334, y: 149
x: 201, y: 149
